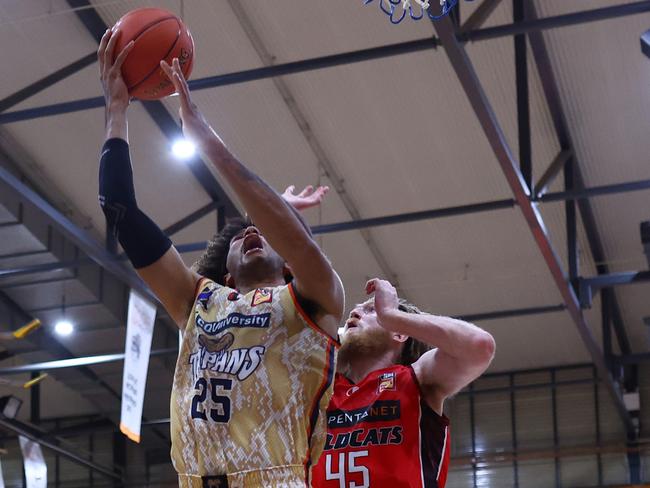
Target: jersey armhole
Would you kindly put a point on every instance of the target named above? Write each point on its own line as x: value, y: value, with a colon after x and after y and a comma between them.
x: 426, y: 408
x: 199, y: 285
x: 305, y: 316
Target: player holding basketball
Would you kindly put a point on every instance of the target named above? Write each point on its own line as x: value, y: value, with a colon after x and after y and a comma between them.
x: 396, y: 367
x: 256, y: 363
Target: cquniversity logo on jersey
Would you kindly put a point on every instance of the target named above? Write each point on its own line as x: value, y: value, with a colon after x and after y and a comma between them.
x: 260, y: 321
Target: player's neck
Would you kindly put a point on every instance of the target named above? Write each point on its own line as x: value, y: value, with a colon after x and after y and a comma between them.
x: 357, y: 368
x: 244, y: 287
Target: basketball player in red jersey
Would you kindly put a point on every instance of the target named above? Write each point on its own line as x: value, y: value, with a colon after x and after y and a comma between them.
x: 396, y: 367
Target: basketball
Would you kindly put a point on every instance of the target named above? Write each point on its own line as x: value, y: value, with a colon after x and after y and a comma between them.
x: 158, y: 34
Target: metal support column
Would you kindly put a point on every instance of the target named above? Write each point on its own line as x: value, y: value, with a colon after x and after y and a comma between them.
x: 513, y: 426
x: 523, y: 99
x: 472, y: 429
x: 35, y: 400
x: 119, y: 455
x: 571, y: 226
x: 599, y: 458
x: 495, y: 136
x: 556, y: 438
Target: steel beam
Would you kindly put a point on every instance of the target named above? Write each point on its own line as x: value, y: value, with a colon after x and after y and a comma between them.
x: 595, y: 191
x: 414, y: 216
x: 551, y: 172
x: 47, y: 342
x: 25, y: 430
x: 75, y: 362
x: 31, y: 199
x: 537, y: 25
x: 571, y: 225
x: 614, y: 279
x: 191, y: 218
x: 523, y: 98
x: 645, y: 239
x: 532, y: 386
x: 480, y: 15
x: 46, y: 82
x: 519, y: 312
x: 495, y: 136
x: 553, y: 99
x: 340, y: 59
x: 637, y: 358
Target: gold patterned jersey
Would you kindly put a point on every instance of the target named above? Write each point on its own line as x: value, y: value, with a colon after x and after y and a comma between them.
x: 253, y: 378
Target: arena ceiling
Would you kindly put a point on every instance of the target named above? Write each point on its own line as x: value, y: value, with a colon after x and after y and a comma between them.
x: 391, y: 135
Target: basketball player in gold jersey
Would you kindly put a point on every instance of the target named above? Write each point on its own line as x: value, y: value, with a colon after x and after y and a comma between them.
x: 256, y: 363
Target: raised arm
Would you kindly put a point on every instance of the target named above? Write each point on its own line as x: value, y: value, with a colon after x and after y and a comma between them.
x: 149, y: 250
x: 462, y: 351
x: 315, y: 280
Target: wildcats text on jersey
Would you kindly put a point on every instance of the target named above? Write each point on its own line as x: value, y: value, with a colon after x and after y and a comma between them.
x: 364, y: 437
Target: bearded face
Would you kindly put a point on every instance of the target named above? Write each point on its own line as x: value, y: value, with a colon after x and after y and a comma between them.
x: 362, y: 335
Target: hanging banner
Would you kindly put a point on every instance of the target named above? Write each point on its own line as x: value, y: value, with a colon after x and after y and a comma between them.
x: 139, y: 331
x: 35, y: 467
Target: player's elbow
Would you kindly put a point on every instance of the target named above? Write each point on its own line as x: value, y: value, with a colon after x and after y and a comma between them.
x: 483, y: 347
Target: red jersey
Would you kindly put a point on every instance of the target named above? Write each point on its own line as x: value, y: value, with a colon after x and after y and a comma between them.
x: 382, y: 434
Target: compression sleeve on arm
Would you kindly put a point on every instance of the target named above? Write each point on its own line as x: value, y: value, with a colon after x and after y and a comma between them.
x: 141, y: 239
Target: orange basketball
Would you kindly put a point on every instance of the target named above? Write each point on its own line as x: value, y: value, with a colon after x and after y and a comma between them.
x: 158, y: 35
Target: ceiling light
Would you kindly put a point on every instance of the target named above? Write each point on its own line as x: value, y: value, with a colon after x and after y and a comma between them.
x: 9, y: 406
x: 63, y: 327
x: 183, y: 149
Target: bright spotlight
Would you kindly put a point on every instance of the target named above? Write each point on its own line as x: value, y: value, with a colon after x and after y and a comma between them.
x: 63, y: 327
x: 183, y: 149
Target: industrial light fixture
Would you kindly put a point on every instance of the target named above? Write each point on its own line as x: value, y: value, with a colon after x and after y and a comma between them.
x: 183, y: 149
x: 63, y: 327
x: 9, y: 406
x: 645, y: 43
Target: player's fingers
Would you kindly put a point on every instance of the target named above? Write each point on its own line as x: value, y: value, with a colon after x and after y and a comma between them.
x: 370, y: 286
x: 179, y: 72
x: 102, y: 48
x: 306, y: 191
x: 290, y: 189
x: 321, y: 191
x: 171, y: 74
x: 110, y: 47
x: 122, y: 56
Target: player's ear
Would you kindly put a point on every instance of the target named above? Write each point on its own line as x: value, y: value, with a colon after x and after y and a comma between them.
x: 400, y: 337
x: 229, y: 280
x: 286, y: 272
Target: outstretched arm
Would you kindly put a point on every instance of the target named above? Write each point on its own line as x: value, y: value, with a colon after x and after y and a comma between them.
x: 315, y: 280
x: 150, y: 251
x: 462, y: 351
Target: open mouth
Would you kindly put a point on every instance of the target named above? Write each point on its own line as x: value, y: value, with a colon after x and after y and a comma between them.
x: 351, y: 324
x: 252, y: 243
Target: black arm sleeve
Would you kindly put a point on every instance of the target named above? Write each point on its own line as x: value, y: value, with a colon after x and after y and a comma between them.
x: 141, y: 239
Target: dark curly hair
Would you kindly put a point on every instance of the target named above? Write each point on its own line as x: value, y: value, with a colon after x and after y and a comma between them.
x: 212, y: 264
x: 412, y: 349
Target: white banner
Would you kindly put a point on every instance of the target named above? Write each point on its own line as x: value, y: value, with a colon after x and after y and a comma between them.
x: 35, y: 467
x: 139, y: 330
